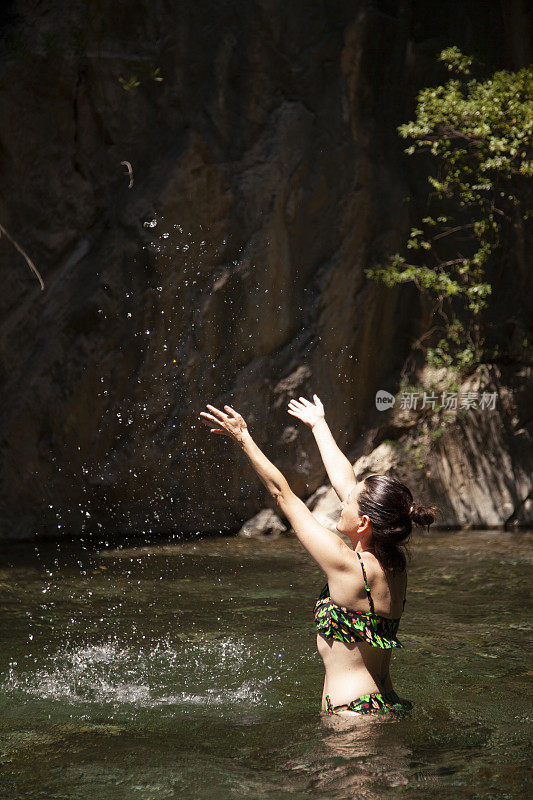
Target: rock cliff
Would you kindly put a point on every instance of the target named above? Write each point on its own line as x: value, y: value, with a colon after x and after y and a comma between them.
x: 474, y: 461
x: 266, y: 174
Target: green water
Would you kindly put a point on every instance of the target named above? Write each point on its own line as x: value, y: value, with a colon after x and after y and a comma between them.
x: 189, y: 671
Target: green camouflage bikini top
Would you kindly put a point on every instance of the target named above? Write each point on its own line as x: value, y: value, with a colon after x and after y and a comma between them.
x: 337, y: 622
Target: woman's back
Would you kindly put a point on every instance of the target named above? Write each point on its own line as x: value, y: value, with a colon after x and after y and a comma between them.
x: 387, y: 589
x: 361, y: 614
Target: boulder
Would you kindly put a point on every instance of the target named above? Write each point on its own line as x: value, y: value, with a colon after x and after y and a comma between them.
x: 265, y: 523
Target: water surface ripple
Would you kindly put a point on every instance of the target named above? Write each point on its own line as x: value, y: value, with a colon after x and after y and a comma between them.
x: 162, y: 670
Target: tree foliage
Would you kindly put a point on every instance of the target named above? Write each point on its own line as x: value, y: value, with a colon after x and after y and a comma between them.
x: 477, y: 137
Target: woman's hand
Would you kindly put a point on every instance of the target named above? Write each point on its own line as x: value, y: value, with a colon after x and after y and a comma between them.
x: 230, y: 423
x: 309, y: 413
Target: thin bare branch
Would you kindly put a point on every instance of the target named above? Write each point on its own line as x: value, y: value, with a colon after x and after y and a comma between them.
x: 499, y: 211
x: 24, y: 255
x: 428, y: 333
x: 417, y: 345
x: 452, y: 230
x: 450, y: 263
x: 130, y: 172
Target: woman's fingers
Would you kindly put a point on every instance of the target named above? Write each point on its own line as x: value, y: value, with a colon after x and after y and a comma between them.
x: 297, y: 406
x: 231, y: 411
x: 306, y: 411
x: 208, y: 416
x: 208, y: 422
x: 230, y: 423
x: 217, y: 413
x: 209, y: 419
x: 297, y: 412
x: 215, y: 410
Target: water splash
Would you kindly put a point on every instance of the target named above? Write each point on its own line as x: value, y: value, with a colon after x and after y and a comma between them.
x: 114, y: 673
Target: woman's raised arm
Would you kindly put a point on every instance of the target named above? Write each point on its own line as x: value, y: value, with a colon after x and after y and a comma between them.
x: 339, y: 469
x: 328, y: 549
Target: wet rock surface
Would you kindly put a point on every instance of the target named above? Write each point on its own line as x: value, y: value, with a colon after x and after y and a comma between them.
x: 266, y: 176
x: 265, y: 523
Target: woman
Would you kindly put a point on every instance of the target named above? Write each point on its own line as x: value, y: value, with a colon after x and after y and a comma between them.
x: 358, y: 611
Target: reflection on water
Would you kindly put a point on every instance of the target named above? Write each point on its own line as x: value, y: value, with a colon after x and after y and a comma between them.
x: 165, y: 670
x: 369, y: 759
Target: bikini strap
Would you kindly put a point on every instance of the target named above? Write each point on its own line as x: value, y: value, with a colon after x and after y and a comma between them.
x: 367, y: 587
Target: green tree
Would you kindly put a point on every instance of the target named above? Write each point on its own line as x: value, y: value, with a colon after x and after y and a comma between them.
x: 476, y: 136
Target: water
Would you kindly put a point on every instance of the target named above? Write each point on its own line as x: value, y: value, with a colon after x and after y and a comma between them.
x: 189, y: 670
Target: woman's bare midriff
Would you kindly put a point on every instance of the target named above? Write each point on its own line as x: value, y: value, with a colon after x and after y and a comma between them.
x: 352, y: 670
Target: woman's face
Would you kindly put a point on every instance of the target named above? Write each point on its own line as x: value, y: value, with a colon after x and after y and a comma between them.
x: 350, y: 518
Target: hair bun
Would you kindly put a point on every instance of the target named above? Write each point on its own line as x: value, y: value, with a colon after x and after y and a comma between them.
x: 423, y: 515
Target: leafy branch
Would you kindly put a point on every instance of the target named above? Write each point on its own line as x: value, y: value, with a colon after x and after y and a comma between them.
x: 477, y: 136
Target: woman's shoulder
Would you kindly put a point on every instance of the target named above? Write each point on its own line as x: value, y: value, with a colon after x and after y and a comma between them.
x: 373, y: 568
x: 381, y: 580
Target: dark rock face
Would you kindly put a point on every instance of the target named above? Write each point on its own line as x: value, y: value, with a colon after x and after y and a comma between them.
x: 266, y: 176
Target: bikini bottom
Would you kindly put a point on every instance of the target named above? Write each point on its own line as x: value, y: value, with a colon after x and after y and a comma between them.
x: 373, y: 703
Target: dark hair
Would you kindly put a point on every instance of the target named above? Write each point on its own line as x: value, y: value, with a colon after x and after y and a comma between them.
x: 388, y: 504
